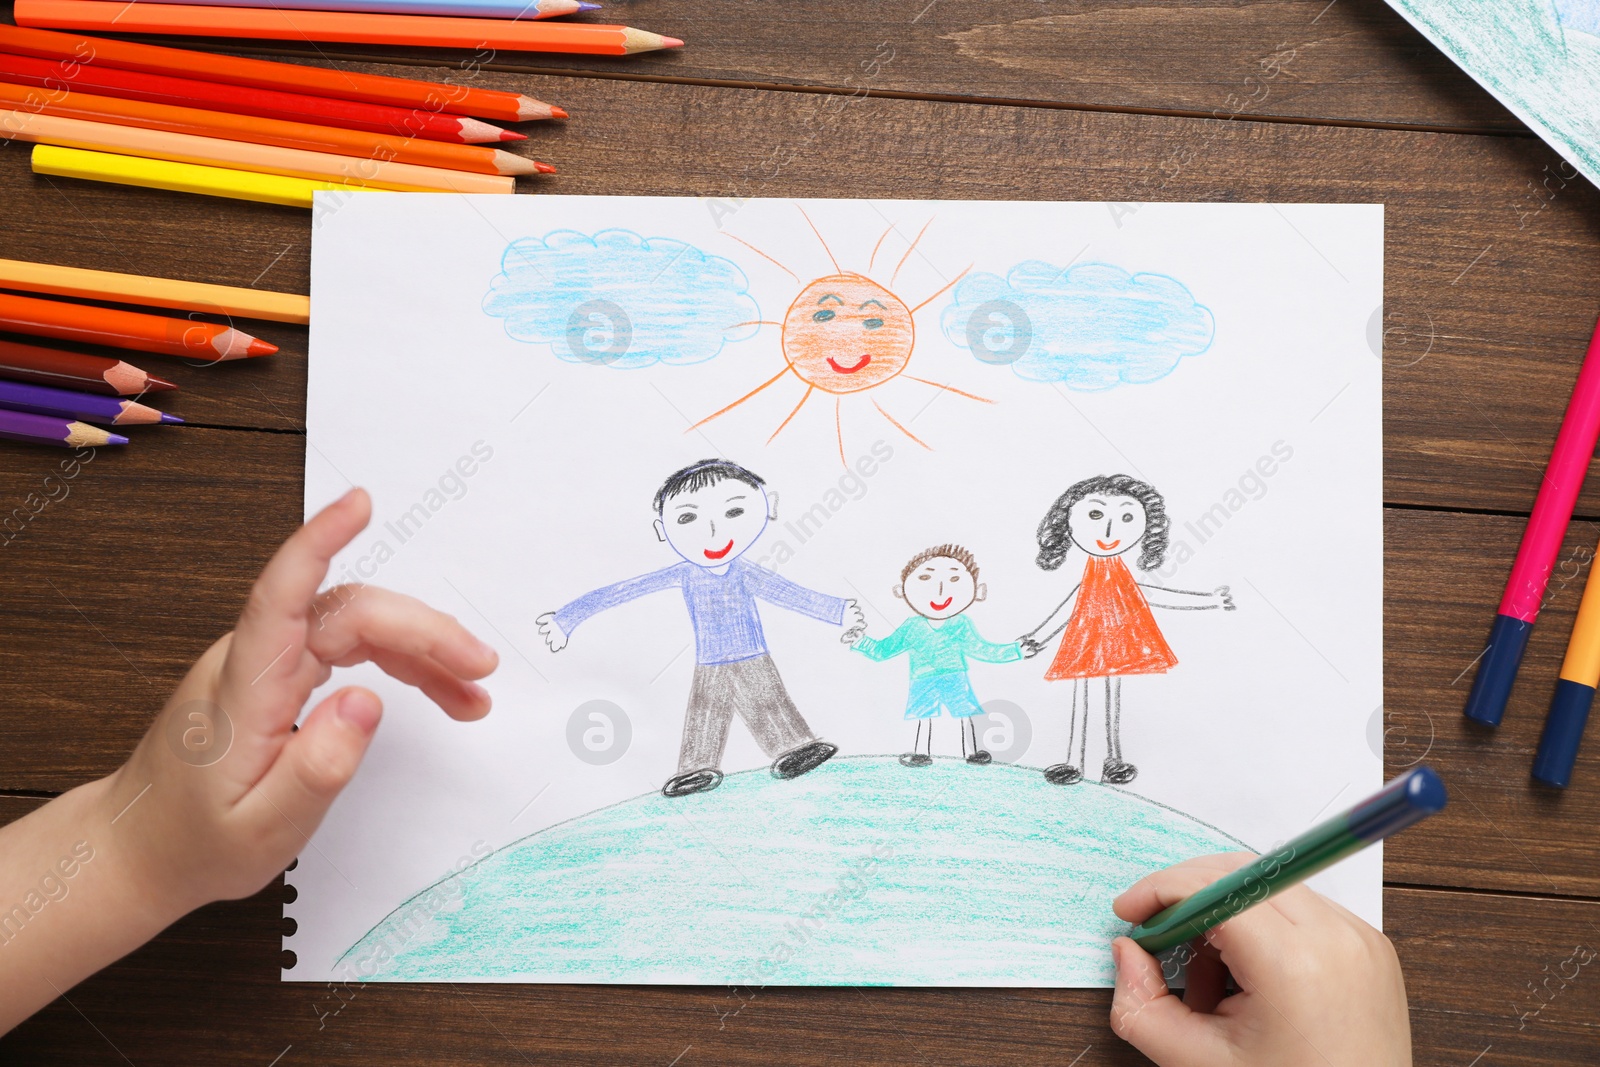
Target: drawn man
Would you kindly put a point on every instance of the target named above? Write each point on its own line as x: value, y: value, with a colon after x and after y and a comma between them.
x: 711, y: 513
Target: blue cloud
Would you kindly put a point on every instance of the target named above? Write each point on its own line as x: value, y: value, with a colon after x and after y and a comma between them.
x: 620, y: 300
x: 1090, y: 327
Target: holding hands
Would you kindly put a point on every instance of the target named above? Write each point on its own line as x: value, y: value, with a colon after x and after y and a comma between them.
x: 855, y: 623
x: 554, y: 636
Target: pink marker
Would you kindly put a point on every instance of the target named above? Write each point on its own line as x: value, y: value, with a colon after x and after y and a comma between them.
x: 1541, y: 543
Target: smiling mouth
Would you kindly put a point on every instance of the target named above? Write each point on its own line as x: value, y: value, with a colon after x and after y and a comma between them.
x: 719, y: 553
x: 1107, y: 546
x: 941, y: 605
x: 862, y: 362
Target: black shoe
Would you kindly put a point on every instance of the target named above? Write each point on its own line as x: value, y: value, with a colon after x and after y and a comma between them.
x: 701, y: 781
x: 915, y: 759
x: 803, y: 759
x: 980, y: 757
x: 1118, y: 773
x: 1062, y: 774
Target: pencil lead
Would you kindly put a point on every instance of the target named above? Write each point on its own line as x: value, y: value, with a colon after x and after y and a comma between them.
x: 543, y: 168
x: 156, y: 385
x: 558, y: 112
x: 258, y: 347
x: 585, y: 5
x: 116, y: 439
x: 671, y: 42
x: 170, y: 419
x: 512, y: 135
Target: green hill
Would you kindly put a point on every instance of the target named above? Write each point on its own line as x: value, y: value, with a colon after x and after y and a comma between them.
x: 860, y: 872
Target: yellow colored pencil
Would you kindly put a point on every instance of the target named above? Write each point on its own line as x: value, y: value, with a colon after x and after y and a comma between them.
x: 85, y: 284
x: 241, y: 155
x: 179, y: 177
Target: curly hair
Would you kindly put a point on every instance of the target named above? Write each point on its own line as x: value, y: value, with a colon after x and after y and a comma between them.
x: 1055, y: 539
x: 945, y: 551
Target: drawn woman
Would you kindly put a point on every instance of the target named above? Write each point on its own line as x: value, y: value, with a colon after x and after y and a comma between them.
x: 1110, y: 631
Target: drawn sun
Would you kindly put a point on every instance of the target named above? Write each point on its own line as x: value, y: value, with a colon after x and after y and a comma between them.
x: 845, y: 334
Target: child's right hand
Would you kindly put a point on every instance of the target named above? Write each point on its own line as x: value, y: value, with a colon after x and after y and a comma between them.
x: 1317, y: 985
x: 554, y: 636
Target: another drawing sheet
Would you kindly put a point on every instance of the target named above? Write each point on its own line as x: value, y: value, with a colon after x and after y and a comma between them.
x: 880, y: 587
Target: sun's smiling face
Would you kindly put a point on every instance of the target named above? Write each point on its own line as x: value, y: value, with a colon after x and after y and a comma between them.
x: 845, y: 333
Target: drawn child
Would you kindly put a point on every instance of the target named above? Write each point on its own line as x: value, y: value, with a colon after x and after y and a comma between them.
x: 710, y: 513
x: 1110, y: 632
x: 939, y: 584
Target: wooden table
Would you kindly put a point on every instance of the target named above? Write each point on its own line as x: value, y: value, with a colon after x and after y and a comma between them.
x: 1493, y: 260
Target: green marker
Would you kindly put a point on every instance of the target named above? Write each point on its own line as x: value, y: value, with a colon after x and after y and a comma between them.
x: 1404, y: 802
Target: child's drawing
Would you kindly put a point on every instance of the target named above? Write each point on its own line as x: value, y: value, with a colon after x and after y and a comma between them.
x: 619, y: 300
x: 845, y: 334
x: 939, y: 584
x: 710, y: 514
x: 1093, y: 326
x: 1110, y: 631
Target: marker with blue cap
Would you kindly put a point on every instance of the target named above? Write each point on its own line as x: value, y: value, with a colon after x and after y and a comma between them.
x: 1405, y: 801
x: 1569, y: 708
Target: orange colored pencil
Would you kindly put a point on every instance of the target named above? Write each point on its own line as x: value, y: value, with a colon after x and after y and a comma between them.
x: 128, y: 329
x: 428, y: 31
x: 283, y: 134
x: 268, y: 74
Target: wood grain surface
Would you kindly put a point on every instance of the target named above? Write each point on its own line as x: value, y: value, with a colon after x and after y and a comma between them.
x: 1492, y: 248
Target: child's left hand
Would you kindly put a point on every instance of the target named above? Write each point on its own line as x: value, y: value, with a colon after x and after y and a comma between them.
x: 209, y: 829
x: 1225, y: 594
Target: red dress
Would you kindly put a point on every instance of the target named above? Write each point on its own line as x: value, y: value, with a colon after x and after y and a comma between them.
x: 1111, y: 631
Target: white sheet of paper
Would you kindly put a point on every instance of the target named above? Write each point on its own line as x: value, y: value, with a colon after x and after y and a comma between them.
x: 513, y: 378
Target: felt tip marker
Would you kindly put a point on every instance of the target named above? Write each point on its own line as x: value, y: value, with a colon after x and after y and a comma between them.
x: 1569, y: 708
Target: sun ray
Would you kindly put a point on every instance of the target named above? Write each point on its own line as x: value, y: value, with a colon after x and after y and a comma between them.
x: 949, y: 389
x: 753, y: 322
x: 877, y: 246
x: 909, y: 250
x: 764, y: 256
x: 807, y: 396
x: 741, y: 400
x: 897, y: 426
x: 838, y: 429
x: 836, y: 268
x: 937, y: 293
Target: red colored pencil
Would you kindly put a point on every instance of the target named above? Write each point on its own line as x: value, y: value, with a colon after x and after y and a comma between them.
x: 128, y: 329
x: 244, y: 100
x: 71, y: 50
x: 75, y: 370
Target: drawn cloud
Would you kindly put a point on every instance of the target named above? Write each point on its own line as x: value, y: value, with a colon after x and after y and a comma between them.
x: 620, y: 300
x: 1089, y: 327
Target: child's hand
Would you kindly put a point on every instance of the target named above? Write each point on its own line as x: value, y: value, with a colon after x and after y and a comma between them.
x: 855, y: 623
x: 554, y: 636
x: 1030, y: 647
x: 1317, y: 986
x: 201, y: 829
x: 1225, y: 594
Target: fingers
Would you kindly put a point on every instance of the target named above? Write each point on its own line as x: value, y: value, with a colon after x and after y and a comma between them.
x: 1248, y: 937
x: 315, y: 764
x: 356, y: 624
x: 1145, y: 1014
x: 1205, y: 980
x: 459, y: 698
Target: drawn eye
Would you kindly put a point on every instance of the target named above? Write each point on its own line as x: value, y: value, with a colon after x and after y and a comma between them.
x: 1096, y: 514
x: 822, y: 316
x: 955, y: 577
x: 685, y: 518
x: 923, y: 577
x: 872, y: 324
x: 1127, y: 516
x: 734, y: 513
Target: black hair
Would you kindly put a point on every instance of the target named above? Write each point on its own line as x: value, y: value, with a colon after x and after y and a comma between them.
x: 699, y: 475
x: 1055, y: 539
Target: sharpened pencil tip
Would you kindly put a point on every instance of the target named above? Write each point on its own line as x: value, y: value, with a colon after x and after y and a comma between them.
x: 155, y: 384
x: 258, y: 347
x: 543, y: 168
x: 584, y: 5
x: 512, y: 135
x: 558, y: 112
x: 116, y: 439
x: 671, y: 42
x: 170, y: 419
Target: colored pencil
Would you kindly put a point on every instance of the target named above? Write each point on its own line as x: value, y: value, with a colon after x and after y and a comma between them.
x: 1575, y: 686
x: 154, y: 292
x: 75, y: 370
x: 432, y: 31
x: 128, y: 329
x: 475, y: 159
x: 66, y: 404
x: 248, y: 100
x: 494, y: 9
x: 1541, y: 542
x: 242, y: 155
x: 74, y: 51
x: 180, y: 177
x: 49, y: 430
x: 1405, y: 801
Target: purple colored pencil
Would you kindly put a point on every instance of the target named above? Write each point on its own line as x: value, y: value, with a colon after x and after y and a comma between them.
x: 51, y: 430
x: 68, y: 404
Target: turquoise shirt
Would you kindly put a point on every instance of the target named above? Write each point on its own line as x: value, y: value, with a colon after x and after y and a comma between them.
x: 938, y: 648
